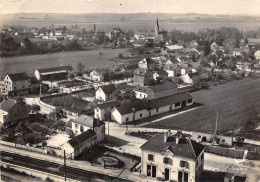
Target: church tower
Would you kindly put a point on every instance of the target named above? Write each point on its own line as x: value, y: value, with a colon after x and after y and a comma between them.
x: 157, y: 28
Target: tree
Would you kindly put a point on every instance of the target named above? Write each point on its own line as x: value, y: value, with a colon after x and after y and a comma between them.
x: 80, y: 67
x: 237, y: 43
x: 35, y: 108
x: 206, y: 48
x: 246, y: 41
x: 59, y: 114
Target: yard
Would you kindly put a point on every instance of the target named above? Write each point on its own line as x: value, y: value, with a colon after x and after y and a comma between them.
x: 235, y: 102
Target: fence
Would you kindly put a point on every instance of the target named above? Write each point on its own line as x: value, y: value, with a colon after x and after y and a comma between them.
x: 33, y: 149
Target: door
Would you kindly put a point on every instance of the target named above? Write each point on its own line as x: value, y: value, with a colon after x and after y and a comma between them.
x: 150, y: 113
x: 183, y: 104
x: 186, y: 177
x: 154, y: 171
x: 149, y: 167
x: 166, y: 174
x: 183, y: 176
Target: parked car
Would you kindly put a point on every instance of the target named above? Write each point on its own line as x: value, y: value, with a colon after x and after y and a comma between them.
x: 53, y: 90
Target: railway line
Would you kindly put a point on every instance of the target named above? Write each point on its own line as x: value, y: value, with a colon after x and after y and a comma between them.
x: 55, y: 168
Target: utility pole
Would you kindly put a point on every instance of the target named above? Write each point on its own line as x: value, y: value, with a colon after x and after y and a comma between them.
x: 65, y: 175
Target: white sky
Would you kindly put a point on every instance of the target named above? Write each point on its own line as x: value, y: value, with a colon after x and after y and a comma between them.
x: 250, y: 7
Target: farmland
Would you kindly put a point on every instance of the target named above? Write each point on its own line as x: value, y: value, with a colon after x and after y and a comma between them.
x: 235, y: 102
x: 90, y: 58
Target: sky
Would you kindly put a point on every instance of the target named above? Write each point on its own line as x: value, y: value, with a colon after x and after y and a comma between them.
x: 229, y: 7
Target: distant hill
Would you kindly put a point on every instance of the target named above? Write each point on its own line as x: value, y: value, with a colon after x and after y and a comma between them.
x: 189, y: 21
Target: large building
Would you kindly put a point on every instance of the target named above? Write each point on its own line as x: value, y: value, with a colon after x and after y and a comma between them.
x: 16, y: 84
x: 130, y: 111
x: 142, y: 77
x: 168, y: 157
x: 54, y: 73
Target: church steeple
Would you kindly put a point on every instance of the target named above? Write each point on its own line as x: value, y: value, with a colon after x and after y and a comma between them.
x: 157, y: 28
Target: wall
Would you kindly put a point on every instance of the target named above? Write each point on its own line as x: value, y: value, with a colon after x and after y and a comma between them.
x: 174, y: 167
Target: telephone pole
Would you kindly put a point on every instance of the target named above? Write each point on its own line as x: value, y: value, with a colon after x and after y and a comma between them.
x: 65, y: 175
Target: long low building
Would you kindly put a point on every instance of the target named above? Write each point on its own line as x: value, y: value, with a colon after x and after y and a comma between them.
x: 132, y: 111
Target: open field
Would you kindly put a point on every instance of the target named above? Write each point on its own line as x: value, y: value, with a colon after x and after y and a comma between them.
x: 135, y: 21
x: 235, y: 102
x: 90, y: 58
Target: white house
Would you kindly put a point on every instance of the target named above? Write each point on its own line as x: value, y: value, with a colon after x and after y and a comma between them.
x: 257, y: 55
x: 17, y: 83
x: 78, y: 144
x: 106, y: 92
x: 156, y: 91
x: 97, y: 75
x: 135, y: 110
x: 84, y: 123
x: 168, y: 157
x: 103, y: 111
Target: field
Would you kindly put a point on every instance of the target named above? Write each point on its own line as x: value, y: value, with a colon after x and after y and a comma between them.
x: 29, y: 63
x: 235, y: 102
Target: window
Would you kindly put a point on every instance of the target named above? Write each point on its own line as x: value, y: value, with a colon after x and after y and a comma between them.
x: 127, y: 119
x: 141, y: 115
x: 190, y: 101
x: 167, y: 160
x: 157, y: 110
x: 81, y: 129
x: 177, y: 104
x: 141, y: 95
x: 76, y: 125
x: 184, y: 164
x: 150, y: 157
x: 23, y: 86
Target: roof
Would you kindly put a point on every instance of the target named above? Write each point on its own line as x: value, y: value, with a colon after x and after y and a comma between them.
x: 172, y: 67
x: 185, y: 148
x: 6, y: 105
x: 146, y: 61
x: 84, y: 120
x: 125, y: 87
x: 69, y: 124
x: 18, y: 76
x: 158, y: 87
x: 129, y: 107
x: 74, y: 142
x: 54, y: 69
x: 110, y: 104
x: 108, y: 89
x: 174, y: 47
x: 160, y: 102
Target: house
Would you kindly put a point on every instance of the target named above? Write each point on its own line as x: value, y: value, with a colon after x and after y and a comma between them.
x: 172, y: 48
x: 106, y: 92
x: 172, y: 60
x: 84, y: 123
x: 125, y: 90
x: 193, y: 44
x: 195, y: 66
x: 142, y: 77
x: 12, y: 110
x: 172, y: 157
x: 160, y: 74
x: 97, y: 75
x: 134, y: 110
x: 172, y: 69
x: 103, y: 111
x: 156, y: 91
x: 147, y: 63
x: 257, y: 54
x: 54, y: 73
x: 214, y: 46
x: 16, y: 84
x: 78, y: 144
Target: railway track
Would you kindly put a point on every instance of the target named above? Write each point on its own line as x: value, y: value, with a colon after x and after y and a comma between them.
x: 55, y: 168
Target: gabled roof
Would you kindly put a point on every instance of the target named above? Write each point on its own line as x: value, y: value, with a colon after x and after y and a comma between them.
x: 110, y: 104
x: 84, y: 120
x: 54, y: 69
x: 129, y: 107
x: 6, y: 105
x: 156, y: 103
x: 108, y: 89
x: 74, y: 142
x: 18, y: 76
x: 158, y: 87
x: 185, y: 148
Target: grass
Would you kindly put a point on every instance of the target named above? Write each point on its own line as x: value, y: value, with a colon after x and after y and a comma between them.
x: 235, y: 102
